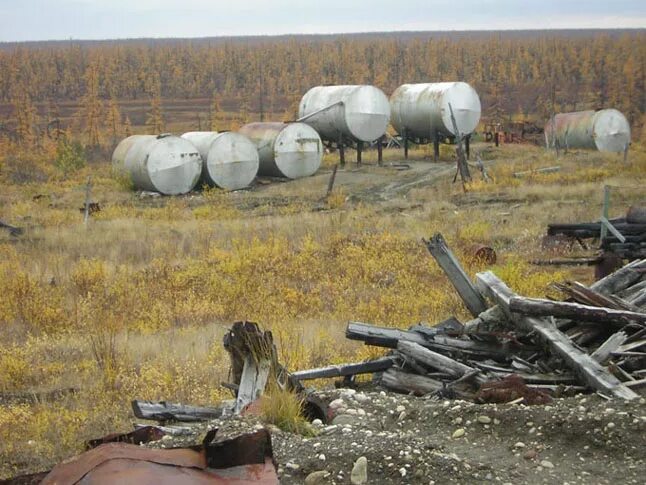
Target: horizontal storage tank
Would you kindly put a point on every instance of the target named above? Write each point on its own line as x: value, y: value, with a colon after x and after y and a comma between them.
x: 166, y: 164
x: 291, y: 150
x: 230, y: 160
x: 360, y: 113
x: 606, y: 130
x: 423, y: 109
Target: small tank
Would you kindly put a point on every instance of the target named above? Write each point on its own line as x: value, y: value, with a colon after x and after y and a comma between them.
x: 422, y: 110
x: 166, y: 164
x: 606, y: 130
x: 230, y: 160
x: 291, y: 150
x: 360, y: 113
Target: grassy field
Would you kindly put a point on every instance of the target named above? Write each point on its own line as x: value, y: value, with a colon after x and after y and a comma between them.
x: 135, y: 304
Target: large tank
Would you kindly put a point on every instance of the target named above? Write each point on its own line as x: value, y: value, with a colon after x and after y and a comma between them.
x: 606, y: 130
x: 291, y: 150
x: 360, y: 113
x: 230, y: 160
x: 423, y: 109
x: 167, y: 164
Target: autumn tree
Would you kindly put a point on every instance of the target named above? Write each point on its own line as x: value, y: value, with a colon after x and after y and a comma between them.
x: 26, y: 117
x: 155, y: 119
x: 214, y: 112
x: 92, y: 107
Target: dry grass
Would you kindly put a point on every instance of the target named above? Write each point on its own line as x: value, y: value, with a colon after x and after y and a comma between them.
x: 135, y: 305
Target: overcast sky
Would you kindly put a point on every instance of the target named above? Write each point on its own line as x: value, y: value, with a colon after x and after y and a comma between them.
x: 108, y: 19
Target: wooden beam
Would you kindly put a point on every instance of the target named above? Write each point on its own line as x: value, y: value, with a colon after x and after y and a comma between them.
x: 587, y: 369
x: 400, y: 381
x: 451, y: 266
x: 574, y: 311
x: 602, y: 354
x: 620, y: 279
x: 343, y: 370
x: 166, y: 411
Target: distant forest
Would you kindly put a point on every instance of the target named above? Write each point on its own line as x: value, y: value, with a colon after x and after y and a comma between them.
x: 525, y: 74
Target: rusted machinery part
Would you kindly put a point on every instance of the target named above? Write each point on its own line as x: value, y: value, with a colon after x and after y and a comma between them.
x: 483, y: 254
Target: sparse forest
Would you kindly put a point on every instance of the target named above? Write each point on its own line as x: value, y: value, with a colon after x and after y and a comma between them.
x: 102, y: 87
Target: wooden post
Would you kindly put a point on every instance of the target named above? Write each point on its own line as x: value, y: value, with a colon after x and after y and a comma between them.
x: 88, y: 190
x: 380, y: 151
x: 588, y: 369
x: 604, y: 211
x: 436, y: 147
x: 341, y: 152
x: 359, y: 148
x: 463, y: 166
x: 404, y: 134
x: 330, y: 184
x: 450, y: 265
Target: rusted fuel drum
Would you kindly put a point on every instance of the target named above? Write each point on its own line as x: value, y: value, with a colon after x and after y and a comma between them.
x: 291, y: 150
x: 422, y: 110
x: 166, y: 164
x: 360, y: 113
x: 606, y: 130
x: 483, y: 254
x: 230, y: 160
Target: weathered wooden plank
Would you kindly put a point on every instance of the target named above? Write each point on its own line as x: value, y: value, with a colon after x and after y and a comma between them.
x: 612, y: 344
x: 400, y: 381
x: 437, y: 361
x: 450, y: 265
x: 588, y: 369
x: 343, y: 370
x: 574, y: 311
x: 620, y: 279
x: 584, y: 295
x: 166, y: 411
x: 253, y: 381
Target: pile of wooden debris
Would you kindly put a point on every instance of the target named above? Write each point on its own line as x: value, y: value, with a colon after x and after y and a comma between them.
x: 515, y: 348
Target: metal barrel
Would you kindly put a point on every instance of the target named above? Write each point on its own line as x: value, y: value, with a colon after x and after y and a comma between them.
x: 120, y: 151
x: 230, y: 160
x: 606, y: 130
x: 360, y: 113
x: 166, y: 164
x: 422, y: 110
x: 291, y: 150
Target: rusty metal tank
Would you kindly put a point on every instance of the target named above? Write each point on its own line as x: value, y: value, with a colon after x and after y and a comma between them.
x: 166, y: 164
x: 422, y: 110
x: 230, y: 160
x: 360, y: 113
x: 606, y: 130
x: 291, y: 150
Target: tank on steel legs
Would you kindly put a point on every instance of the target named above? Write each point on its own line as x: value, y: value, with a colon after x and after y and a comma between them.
x: 422, y: 112
x: 230, y: 160
x: 346, y: 115
x: 606, y: 130
x: 166, y: 164
x: 291, y: 150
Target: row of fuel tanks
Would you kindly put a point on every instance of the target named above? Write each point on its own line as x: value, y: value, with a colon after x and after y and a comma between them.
x: 334, y: 115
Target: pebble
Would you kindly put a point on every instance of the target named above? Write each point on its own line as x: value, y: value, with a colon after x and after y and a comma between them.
x: 359, y: 475
x: 336, y: 404
x: 292, y: 466
x: 400, y: 409
x: 547, y: 464
x: 322, y: 457
x: 484, y: 419
x: 402, y: 472
x: 316, y: 478
x: 458, y: 433
x: 519, y: 444
x: 530, y: 455
x: 343, y: 419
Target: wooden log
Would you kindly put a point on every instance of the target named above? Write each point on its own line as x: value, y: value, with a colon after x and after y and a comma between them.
x: 574, y: 311
x: 436, y: 361
x: 343, y: 370
x: 620, y: 279
x: 612, y: 344
x: 450, y: 265
x: 13, y: 230
x: 389, y: 337
x: 582, y: 294
x: 400, y: 381
x: 639, y: 300
x: 166, y: 411
x: 588, y: 369
x: 491, y: 320
x: 253, y: 381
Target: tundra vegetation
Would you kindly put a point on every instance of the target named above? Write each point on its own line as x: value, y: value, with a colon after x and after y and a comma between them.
x: 134, y: 304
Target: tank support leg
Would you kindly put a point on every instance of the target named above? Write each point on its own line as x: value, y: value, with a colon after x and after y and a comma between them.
x: 359, y: 148
x: 626, y: 153
x: 405, y: 144
x: 341, y: 152
x: 436, y: 147
x: 467, y: 145
x: 380, y: 151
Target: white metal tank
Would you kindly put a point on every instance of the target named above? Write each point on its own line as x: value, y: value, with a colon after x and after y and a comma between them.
x: 606, y: 130
x: 291, y: 150
x: 423, y: 109
x: 360, y: 113
x: 230, y: 160
x: 166, y: 164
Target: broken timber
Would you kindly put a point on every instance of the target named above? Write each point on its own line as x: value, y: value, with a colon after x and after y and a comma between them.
x: 343, y: 370
x: 592, y: 373
x: 448, y: 262
x: 165, y: 411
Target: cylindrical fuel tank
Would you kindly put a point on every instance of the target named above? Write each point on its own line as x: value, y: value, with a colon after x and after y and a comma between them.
x: 423, y: 109
x: 606, y: 130
x: 230, y: 160
x: 360, y: 113
x: 166, y: 164
x: 291, y: 150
